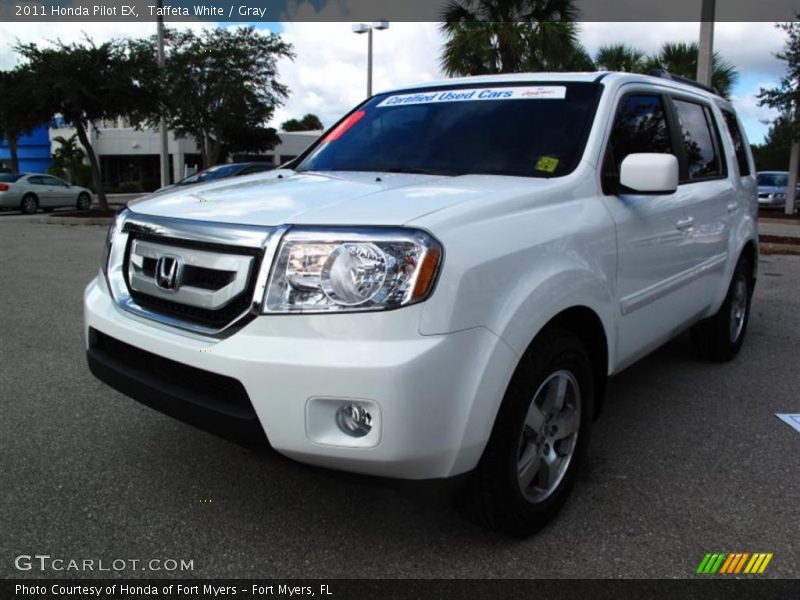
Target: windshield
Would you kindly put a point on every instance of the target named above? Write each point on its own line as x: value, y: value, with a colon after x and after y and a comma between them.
x: 529, y: 130
x: 773, y: 179
x: 9, y: 177
x: 218, y: 172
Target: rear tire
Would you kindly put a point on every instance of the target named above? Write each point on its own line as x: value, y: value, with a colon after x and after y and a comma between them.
x: 539, y: 438
x: 719, y: 338
x: 84, y: 202
x: 29, y: 204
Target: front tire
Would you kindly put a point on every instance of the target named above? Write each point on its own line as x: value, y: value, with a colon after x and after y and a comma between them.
x: 720, y: 337
x: 84, y: 202
x: 539, y: 438
x: 29, y: 204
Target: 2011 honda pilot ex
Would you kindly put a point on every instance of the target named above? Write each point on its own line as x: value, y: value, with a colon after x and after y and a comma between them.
x: 443, y: 282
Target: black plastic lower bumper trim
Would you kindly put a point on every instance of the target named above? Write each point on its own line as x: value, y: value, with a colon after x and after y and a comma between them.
x: 212, y: 402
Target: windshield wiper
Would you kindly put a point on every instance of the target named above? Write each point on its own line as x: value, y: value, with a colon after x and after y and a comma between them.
x: 419, y: 171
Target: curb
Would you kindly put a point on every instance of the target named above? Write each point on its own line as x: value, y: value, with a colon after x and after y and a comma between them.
x: 73, y: 221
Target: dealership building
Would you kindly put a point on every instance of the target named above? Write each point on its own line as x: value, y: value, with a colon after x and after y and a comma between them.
x: 129, y: 157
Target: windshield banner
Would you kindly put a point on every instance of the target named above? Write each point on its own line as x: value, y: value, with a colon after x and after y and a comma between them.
x: 550, y: 92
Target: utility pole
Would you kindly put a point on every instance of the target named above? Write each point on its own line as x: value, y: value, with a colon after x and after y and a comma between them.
x: 162, y: 121
x: 705, y: 56
x: 794, y: 165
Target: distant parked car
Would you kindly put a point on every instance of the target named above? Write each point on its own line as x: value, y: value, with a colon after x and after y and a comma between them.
x: 28, y: 192
x: 221, y: 172
x: 772, y: 189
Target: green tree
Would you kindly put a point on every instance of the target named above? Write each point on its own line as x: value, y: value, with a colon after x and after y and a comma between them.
x: 309, y: 122
x: 85, y: 82
x: 221, y: 88
x: 510, y: 36
x: 620, y: 57
x: 678, y: 58
x: 68, y: 156
x: 786, y: 97
x: 773, y: 153
x: 20, y: 109
x: 681, y: 58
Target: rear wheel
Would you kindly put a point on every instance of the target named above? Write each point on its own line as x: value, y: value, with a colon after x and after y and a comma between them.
x: 720, y: 337
x: 84, y: 202
x: 539, y: 437
x: 29, y: 204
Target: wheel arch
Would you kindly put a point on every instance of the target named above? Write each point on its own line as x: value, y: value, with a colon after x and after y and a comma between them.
x: 585, y: 324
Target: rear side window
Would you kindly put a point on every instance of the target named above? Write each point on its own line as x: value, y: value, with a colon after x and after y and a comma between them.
x: 640, y: 126
x: 738, y: 143
x: 699, y: 140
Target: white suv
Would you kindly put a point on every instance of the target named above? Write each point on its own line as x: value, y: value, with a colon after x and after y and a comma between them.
x: 443, y: 283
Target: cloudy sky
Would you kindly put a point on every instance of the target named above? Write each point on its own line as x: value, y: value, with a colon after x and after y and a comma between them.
x: 329, y: 74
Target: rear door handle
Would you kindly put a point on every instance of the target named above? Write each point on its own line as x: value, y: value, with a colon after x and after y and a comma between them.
x: 732, y: 206
x: 684, y: 224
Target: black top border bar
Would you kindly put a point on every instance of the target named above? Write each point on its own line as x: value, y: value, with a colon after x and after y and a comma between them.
x: 254, y: 11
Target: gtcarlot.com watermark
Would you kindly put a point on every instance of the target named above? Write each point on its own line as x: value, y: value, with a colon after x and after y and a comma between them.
x: 46, y: 562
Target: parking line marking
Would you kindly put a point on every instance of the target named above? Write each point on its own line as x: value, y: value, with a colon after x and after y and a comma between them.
x: 792, y: 420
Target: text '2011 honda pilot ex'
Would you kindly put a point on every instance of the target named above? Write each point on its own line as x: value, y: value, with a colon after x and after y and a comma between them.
x: 442, y: 284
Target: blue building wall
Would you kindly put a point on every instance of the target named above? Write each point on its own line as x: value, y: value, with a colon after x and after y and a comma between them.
x: 33, y: 151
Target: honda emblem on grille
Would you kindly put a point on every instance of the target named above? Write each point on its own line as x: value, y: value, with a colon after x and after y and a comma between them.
x: 168, y: 272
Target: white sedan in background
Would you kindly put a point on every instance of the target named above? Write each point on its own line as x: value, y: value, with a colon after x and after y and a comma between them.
x: 28, y: 192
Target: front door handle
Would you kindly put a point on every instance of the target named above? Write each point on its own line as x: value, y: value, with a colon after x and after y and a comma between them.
x: 732, y: 206
x: 684, y: 224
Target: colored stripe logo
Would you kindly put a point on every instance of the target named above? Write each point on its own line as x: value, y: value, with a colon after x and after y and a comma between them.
x: 734, y: 563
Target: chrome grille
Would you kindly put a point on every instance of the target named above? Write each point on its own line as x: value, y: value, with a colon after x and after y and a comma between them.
x: 221, y: 277
x: 197, y: 276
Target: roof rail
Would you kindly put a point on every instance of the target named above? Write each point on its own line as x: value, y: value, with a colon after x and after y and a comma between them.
x: 664, y: 74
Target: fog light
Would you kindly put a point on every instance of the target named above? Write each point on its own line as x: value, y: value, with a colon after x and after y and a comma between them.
x: 354, y: 420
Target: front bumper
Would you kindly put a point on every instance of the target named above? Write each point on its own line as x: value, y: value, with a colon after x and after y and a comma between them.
x: 771, y: 202
x: 434, y: 398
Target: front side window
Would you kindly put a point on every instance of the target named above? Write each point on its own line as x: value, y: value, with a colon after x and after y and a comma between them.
x: 699, y: 145
x: 640, y: 125
x: 528, y: 130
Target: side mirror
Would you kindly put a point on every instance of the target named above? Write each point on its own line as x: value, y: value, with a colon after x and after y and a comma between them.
x: 649, y: 173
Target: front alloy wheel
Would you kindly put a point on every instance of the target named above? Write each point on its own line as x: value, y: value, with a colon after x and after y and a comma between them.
x: 549, y: 436
x: 539, y: 437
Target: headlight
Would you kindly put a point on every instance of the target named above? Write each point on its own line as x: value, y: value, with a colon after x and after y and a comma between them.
x: 779, y: 196
x: 338, y: 270
x: 110, y: 237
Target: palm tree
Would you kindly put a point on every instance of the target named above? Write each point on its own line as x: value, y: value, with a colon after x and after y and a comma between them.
x: 68, y: 155
x: 511, y: 36
x: 620, y: 57
x: 681, y: 59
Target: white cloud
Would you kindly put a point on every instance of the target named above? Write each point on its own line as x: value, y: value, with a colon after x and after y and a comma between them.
x: 329, y: 75
x: 43, y: 32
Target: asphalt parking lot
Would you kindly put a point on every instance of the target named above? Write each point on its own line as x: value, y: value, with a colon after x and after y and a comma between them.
x: 687, y: 458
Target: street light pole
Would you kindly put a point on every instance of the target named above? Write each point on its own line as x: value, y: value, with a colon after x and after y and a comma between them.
x: 364, y: 28
x: 705, y: 58
x: 162, y: 121
x: 369, y: 63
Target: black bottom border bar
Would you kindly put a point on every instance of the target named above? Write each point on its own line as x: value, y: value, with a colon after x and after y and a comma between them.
x: 397, y: 589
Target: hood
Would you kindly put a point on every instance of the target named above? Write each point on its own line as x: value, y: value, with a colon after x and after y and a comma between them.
x: 314, y: 198
x: 772, y: 189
